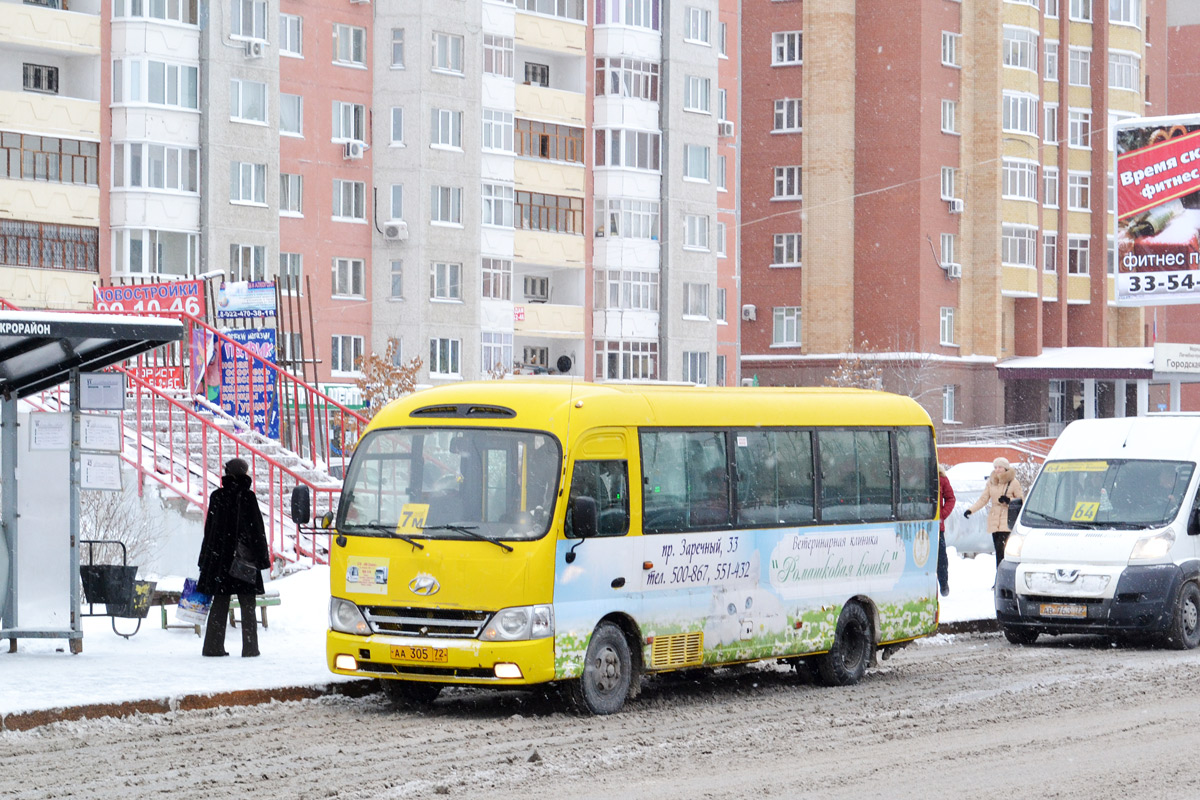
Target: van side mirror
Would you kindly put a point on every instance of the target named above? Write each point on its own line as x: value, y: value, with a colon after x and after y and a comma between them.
x: 1193, y: 527
x: 301, y: 505
x: 584, y: 517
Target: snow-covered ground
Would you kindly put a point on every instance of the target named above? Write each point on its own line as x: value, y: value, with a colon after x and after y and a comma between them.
x: 158, y: 664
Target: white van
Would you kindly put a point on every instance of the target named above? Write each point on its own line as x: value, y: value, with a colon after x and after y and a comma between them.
x: 1108, y: 540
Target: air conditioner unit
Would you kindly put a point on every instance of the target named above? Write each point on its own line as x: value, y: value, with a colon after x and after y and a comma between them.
x: 956, y: 206
x: 255, y: 49
x: 724, y: 128
x: 352, y: 151
x: 749, y: 313
x: 395, y: 230
x: 953, y: 270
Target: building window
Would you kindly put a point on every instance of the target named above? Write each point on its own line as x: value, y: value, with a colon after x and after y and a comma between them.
x: 618, y: 360
x: 136, y: 81
x: 1078, y: 255
x: 948, y: 183
x: 549, y: 213
x: 46, y: 158
x: 1052, y: 9
x: 291, y: 273
x: 949, y: 116
x: 698, y: 23
x: 247, y: 262
x: 348, y: 280
x: 247, y: 101
x: 629, y: 290
x: 40, y: 78
x: 721, y: 303
x: 634, y: 13
x: 291, y: 39
x: 349, y: 121
x: 787, y: 48
x: 1020, y: 113
x: 697, y: 94
x: 497, y: 205
x: 1051, y: 60
x: 722, y: 104
x: 291, y: 115
x: 349, y: 45
x: 1081, y: 10
x: 721, y: 240
x: 1050, y: 115
x: 627, y: 77
x: 1079, y: 128
x: 346, y: 353
x: 787, y: 250
x: 184, y: 13
x: 549, y: 141
x: 397, y: 48
x: 627, y: 219
x: 785, y: 330
x: 397, y: 125
x: 627, y: 148
x: 444, y: 357
x: 447, y: 53
x: 1124, y: 12
x: 496, y: 274
x: 695, y: 231
x: 949, y: 251
x: 1124, y: 71
x: 445, y: 128
x: 1020, y: 48
x: 695, y: 300
x: 1050, y: 187
x: 1049, y: 251
x: 396, y: 274
x: 788, y: 183
x: 497, y: 352
x: 291, y: 195
x: 946, y: 327
x: 720, y: 370
x: 722, y: 39
x: 1079, y: 191
x: 445, y: 281
x: 564, y: 9
x: 1019, y: 179
x: 349, y: 199
x: 248, y: 19
x: 1017, y: 245
x: 497, y: 55
x: 537, y: 74
x: 695, y: 162
x: 247, y: 183
x: 948, y: 403
x: 43, y: 245
x: 397, y: 204
x: 498, y: 131
x: 1079, y: 66
x: 445, y: 204
x: 950, y: 42
x: 695, y: 368
x: 787, y: 116
x: 721, y: 169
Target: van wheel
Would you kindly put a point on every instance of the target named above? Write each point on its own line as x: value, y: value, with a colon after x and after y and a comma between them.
x: 1020, y: 636
x: 1184, y: 633
x: 607, y: 673
x: 410, y: 694
x: 846, y: 662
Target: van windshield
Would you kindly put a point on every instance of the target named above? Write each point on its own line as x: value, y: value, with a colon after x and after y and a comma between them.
x: 1114, y: 494
x: 451, y: 483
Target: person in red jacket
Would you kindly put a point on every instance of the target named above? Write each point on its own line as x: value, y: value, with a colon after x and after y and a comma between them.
x: 945, y: 506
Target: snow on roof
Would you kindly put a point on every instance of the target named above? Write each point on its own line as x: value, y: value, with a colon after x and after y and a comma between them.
x: 1083, y: 362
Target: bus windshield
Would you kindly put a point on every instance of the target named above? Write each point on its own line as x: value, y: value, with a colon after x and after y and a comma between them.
x: 1110, y: 493
x: 451, y: 483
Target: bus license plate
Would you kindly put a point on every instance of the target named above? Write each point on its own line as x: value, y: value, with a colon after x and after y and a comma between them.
x: 1064, y: 610
x: 430, y: 655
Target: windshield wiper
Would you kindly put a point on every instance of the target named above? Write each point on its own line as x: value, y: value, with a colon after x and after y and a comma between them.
x: 469, y: 530
x: 391, y: 533
x: 1057, y: 521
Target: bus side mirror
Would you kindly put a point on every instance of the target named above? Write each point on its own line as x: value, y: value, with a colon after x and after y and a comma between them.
x: 327, y: 520
x: 584, y: 517
x: 301, y: 505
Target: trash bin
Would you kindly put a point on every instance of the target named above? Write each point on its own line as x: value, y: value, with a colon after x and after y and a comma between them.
x: 109, y: 584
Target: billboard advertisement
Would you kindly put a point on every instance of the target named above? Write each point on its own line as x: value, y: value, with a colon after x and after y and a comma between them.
x: 185, y: 296
x: 243, y: 299
x: 236, y: 397
x: 1158, y: 211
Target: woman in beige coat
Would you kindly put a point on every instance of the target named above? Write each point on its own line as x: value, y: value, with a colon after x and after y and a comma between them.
x: 1002, y: 486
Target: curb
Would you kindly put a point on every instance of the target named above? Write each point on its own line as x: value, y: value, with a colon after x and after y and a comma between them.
x: 25, y: 720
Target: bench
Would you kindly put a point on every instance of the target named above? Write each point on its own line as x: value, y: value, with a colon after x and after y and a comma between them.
x: 271, y: 598
x: 167, y: 599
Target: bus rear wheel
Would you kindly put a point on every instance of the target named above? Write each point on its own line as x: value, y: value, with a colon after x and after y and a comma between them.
x: 410, y: 694
x: 846, y: 662
x: 607, y: 673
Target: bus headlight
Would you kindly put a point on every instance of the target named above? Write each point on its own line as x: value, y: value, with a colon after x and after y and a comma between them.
x: 519, y: 623
x: 1152, y: 548
x: 345, y: 617
x: 1014, y: 545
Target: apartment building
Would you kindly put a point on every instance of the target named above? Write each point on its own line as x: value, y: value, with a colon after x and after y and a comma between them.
x: 50, y: 134
x: 956, y: 202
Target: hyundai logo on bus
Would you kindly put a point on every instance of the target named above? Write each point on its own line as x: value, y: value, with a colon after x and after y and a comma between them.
x: 424, y: 585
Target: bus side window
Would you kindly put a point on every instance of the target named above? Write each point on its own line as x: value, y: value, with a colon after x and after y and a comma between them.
x: 607, y: 482
x: 918, y: 473
x: 774, y: 477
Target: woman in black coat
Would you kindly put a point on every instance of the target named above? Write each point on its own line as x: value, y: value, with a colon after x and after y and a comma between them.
x: 234, y: 524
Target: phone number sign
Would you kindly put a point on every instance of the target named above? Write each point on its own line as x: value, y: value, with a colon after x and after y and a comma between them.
x: 176, y: 296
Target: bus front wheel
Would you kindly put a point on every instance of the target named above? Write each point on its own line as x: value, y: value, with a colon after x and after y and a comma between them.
x: 607, y: 672
x: 846, y: 662
x: 1184, y: 633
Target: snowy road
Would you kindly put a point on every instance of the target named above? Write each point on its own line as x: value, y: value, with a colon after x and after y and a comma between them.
x: 952, y: 716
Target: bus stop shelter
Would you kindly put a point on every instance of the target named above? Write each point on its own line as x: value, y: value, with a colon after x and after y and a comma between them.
x: 40, y: 456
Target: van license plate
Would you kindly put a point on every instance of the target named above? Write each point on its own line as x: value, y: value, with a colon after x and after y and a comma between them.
x: 1063, y: 610
x: 433, y: 655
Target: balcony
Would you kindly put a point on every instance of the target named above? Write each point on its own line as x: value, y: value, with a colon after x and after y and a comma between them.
x: 551, y: 249
x: 549, y: 177
x: 554, y: 105
x: 554, y: 35
x: 65, y: 32
x: 44, y: 201
x: 50, y: 115
x: 548, y: 320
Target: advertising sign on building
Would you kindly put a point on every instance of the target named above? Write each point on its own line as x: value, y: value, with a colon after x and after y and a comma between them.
x: 1158, y: 211
x: 1176, y: 357
x: 245, y: 392
x: 185, y: 296
x: 246, y: 299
